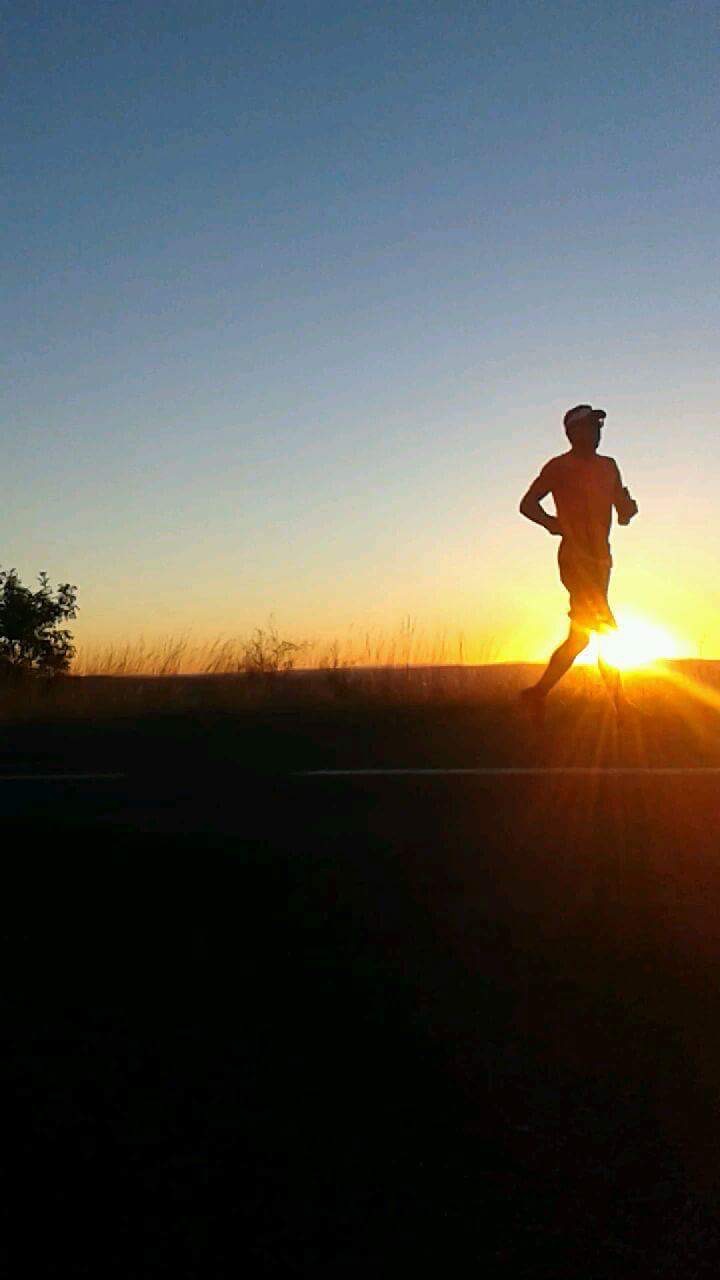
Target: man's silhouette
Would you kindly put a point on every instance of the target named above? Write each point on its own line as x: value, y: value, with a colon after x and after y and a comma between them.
x: 585, y: 487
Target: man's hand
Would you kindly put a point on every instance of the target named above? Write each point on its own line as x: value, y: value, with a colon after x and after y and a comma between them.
x: 552, y: 524
x: 626, y: 507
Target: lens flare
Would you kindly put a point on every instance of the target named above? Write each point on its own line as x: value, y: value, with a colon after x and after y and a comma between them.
x: 638, y: 642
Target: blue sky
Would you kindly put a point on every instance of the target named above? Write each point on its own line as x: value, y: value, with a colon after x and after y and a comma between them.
x: 295, y: 295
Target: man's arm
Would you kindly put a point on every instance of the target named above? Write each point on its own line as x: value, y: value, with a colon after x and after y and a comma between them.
x: 625, y: 506
x: 530, y: 506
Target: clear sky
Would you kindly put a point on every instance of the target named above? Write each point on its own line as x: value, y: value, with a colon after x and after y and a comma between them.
x: 296, y: 292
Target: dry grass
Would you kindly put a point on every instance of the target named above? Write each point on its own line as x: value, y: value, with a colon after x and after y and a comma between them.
x: 234, y: 674
x: 409, y: 646
x: 265, y: 668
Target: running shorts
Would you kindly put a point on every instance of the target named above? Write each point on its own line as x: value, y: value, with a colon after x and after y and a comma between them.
x: 586, y: 578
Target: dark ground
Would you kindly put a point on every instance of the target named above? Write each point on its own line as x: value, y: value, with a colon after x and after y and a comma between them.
x: 298, y: 1026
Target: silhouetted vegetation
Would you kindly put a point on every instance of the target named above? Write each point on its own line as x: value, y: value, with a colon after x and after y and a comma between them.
x: 32, y: 640
x: 267, y: 654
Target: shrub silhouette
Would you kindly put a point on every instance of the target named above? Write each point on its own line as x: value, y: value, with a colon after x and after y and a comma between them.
x: 32, y: 640
x: 266, y: 655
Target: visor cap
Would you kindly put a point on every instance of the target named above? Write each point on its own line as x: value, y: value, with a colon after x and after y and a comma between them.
x: 581, y: 412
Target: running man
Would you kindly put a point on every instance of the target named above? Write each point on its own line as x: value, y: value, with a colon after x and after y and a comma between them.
x: 585, y: 487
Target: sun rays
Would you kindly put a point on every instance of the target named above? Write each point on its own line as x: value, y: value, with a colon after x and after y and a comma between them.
x: 638, y: 642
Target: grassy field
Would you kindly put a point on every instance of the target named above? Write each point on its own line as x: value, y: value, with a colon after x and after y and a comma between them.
x: 414, y: 716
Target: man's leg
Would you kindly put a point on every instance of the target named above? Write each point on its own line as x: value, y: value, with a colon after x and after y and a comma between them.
x: 562, y: 659
x: 560, y: 662
x: 614, y: 686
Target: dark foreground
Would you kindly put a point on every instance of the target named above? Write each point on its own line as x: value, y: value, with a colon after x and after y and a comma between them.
x: 293, y: 1026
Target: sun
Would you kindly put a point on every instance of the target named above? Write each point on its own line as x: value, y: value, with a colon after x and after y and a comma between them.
x: 638, y: 642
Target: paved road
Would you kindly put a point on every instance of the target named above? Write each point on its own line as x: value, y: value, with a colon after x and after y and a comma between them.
x: 407, y: 996
x: 669, y: 818
x: 647, y: 839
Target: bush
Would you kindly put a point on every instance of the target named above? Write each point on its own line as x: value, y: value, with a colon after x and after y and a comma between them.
x: 32, y: 640
x: 266, y: 655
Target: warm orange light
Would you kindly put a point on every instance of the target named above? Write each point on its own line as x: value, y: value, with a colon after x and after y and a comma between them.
x: 638, y: 642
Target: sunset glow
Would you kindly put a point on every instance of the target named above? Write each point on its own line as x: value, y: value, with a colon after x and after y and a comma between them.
x: 638, y: 642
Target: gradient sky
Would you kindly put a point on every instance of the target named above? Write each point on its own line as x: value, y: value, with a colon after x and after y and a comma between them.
x: 296, y: 294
